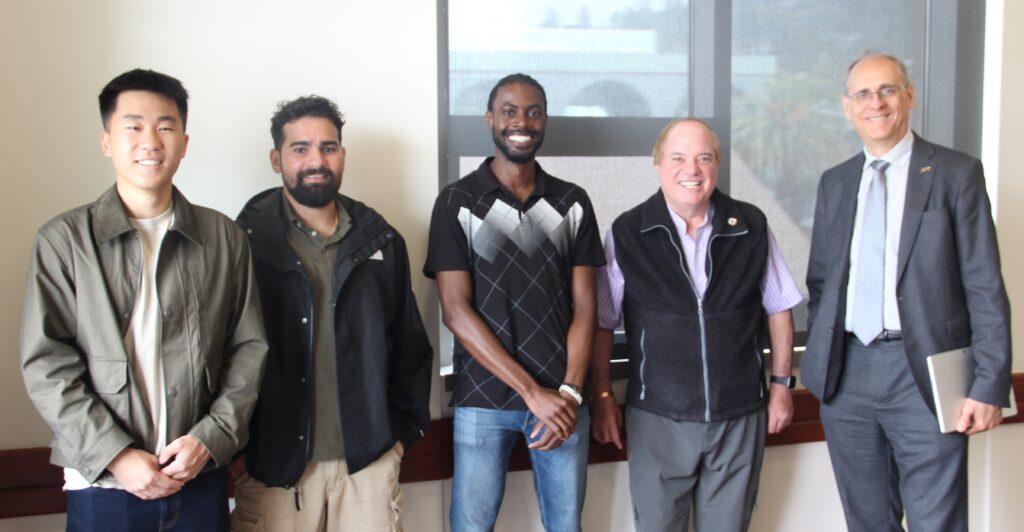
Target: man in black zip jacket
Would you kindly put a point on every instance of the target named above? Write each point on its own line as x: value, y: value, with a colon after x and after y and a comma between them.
x: 348, y: 374
x: 693, y: 272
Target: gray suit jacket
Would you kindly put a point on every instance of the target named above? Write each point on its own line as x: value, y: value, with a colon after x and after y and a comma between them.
x: 949, y: 287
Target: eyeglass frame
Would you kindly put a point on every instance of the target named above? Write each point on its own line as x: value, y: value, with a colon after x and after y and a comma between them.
x: 884, y: 93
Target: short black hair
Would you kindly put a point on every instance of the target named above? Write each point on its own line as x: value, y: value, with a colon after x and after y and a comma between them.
x: 303, y: 106
x: 513, y: 79
x: 143, y: 80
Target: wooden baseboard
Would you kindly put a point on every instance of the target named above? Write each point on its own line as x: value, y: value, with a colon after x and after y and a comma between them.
x: 30, y: 485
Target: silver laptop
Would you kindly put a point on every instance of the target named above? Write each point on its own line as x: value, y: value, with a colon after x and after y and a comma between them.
x: 952, y: 373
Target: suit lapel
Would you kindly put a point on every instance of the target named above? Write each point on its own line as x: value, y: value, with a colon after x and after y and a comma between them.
x: 920, y: 177
x: 847, y: 210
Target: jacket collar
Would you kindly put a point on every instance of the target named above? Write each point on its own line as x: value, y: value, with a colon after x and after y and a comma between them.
x: 110, y: 219
x: 727, y: 217
x: 261, y: 220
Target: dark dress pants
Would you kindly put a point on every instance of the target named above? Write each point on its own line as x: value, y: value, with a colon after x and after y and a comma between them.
x: 886, y: 449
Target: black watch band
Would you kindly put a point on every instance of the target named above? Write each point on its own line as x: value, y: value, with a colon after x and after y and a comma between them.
x: 789, y: 380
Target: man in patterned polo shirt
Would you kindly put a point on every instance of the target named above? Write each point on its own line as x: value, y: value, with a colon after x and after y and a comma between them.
x: 514, y: 252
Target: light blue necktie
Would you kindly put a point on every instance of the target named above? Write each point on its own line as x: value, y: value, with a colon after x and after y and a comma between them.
x: 867, y: 298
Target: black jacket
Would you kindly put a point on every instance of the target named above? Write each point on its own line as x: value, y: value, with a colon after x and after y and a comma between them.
x: 694, y: 359
x: 384, y: 358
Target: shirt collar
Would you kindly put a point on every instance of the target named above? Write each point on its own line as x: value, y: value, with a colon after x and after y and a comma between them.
x: 899, y: 155
x: 288, y: 214
x: 489, y: 182
x: 111, y: 220
x: 680, y: 223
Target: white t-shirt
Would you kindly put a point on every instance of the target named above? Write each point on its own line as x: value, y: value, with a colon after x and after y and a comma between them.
x: 142, y: 341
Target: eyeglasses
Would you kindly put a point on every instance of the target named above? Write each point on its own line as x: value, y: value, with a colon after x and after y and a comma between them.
x: 884, y: 93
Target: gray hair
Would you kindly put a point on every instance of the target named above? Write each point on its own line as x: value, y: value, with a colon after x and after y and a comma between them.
x: 872, y: 54
x: 657, y: 151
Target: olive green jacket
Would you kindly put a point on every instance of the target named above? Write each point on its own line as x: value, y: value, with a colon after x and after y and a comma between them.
x: 83, y: 278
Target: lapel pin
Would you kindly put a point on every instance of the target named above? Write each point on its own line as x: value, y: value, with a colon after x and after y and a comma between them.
x: 731, y: 221
x: 926, y: 169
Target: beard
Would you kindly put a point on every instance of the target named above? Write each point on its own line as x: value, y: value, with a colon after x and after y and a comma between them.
x: 518, y: 157
x: 318, y: 195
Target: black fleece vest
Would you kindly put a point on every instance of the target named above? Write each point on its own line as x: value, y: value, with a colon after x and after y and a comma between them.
x: 694, y: 360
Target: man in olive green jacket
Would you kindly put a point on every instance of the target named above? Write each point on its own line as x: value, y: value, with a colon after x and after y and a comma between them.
x: 142, y: 339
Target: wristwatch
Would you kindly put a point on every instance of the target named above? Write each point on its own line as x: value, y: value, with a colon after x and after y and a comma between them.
x: 788, y: 380
x: 574, y: 391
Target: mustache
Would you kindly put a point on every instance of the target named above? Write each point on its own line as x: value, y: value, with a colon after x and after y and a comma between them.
x: 313, y: 171
x: 533, y: 133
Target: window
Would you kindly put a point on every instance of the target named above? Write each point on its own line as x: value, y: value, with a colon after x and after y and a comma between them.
x: 766, y: 74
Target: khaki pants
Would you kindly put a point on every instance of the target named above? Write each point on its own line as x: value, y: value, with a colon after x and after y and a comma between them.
x: 328, y: 499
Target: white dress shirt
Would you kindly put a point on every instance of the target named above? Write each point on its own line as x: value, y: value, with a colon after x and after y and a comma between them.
x: 895, y: 196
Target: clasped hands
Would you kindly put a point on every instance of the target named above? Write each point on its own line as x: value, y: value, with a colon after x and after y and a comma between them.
x: 142, y: 475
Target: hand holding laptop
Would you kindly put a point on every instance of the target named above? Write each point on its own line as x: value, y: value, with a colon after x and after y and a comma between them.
x: 976, y: 417
x: 952, y: 373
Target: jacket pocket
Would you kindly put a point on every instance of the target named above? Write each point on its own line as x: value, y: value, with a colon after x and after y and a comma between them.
x: 959, y: 331
x: 935, y: 225
x: 109, y: 379
x: 108, y: 376
x: 212, y: 370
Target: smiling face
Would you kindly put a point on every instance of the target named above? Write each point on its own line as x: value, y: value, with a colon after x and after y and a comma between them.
x: 879, y: 121
x: 311, y: 161
x: 145, y: 140
x: 688, y: 168
x: 517, y: 121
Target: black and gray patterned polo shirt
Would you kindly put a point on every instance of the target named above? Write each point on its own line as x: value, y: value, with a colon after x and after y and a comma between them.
x: 521, y: 258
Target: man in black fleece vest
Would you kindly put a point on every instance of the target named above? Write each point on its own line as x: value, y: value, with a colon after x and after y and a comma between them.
x: 693, y: 273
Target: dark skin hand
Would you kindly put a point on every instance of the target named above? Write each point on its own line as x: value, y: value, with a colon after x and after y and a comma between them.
x: 455, y: 291
x: 555, y: 411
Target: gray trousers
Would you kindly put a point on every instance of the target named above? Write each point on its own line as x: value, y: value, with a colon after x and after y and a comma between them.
x: 886, y: 448
x: 675, y: 465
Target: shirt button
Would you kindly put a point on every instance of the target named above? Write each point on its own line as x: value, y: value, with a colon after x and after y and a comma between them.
x: 302, y: 380
x: 301, y: 437
x: 167, y: 313
x: 304, y: 320
x: 249, y: 231
x: 172, y: 392
x: 298, y: 262
x: 312, y: 233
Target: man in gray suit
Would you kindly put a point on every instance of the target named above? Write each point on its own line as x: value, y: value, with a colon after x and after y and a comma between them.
x: 904, y: 264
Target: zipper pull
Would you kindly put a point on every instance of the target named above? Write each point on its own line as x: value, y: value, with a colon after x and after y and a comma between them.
x: 297, y: 499
x: 643, y: 391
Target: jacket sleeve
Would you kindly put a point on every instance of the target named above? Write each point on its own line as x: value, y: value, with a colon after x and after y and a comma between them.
x: 987, y: 303
x: 817, y: 260
x: 56, y: 371
x: 225, y: 428
x: 412, y: 360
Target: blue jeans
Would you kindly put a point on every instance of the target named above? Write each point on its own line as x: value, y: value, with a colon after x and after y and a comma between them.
x: 483, y: 443
x: 200, y: 506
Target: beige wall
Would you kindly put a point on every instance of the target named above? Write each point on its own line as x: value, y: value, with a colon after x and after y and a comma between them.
x: 1010, y: 140
x: 378, y: 59
x: 238, y: 59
